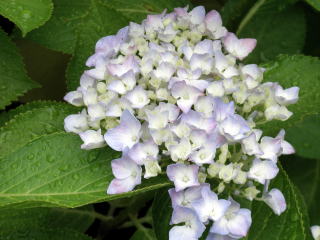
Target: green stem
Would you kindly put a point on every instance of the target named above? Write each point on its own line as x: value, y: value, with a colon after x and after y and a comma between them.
x: 146, y: 219
x: 139, y: 226
x: 249, y: 15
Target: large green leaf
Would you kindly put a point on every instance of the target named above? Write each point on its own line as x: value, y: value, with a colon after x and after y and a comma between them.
x: 305, y: 136
x: 136, y: 11
x: 59, y: 33
x: 279, y: 29
x: 28, y: 15
x: 54, y: 171
x: 161, y: 214
x: 14, y: 219
x: 233, y: 11
x: 293, y: 224
x: 314, y: 3
x: 13, y: 78
x: 304, y: 72
x: 6, y: 116
x: 305, y: 173
x: 31, y: 124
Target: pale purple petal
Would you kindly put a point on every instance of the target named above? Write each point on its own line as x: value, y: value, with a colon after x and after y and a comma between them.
x: 138, y: 97
x: 121, y: 185
x: 195, y: 119
x: 188, y: 216
x: 286, y: 96
x: 240, y: 224
x: 92, y: 139
x: 213, y: 21
x: 240, y: 48
x: 201, y: 61
x: 74, y: 98
x: 130, y: 64
x: 117, y: 86
x: 142, y: 151
x: 220, y: 227
x: 186, y: 197
x: 234, y: 127
x: 183, y: 176
x: 276, y: 201
x: 271, y: 148
x: 222, y: 110
x: 263, y: 170
x: 76, y: 123
x: 126, y: 134
x: 186, y: 95
x: 197, y: 15
x: 204, y: 47
x: 123, y: 167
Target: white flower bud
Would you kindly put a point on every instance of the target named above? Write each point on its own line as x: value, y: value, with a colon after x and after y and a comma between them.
x: 251, y: 192
x: 227, y: 173
x: 214, y: 169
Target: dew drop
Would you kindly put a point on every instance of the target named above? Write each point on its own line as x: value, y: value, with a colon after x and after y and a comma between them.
x: 75, y: 177
x: 50, y: 159
x: 91, y: 157
x: 26, y: 14
x: 30, y: 156
x: 294, y: 217
x: 63, y: 168
x: 14, y: 166
x: 49, y: 128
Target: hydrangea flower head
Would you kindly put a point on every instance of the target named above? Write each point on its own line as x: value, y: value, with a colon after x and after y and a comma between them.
x: 174, y: 87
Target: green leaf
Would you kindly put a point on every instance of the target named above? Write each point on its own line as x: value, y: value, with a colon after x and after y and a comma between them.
x: 6, y: 116
x: 292, y: 224
x: 136, y: 11
x: 32, y: 124
x: 59, y: 33
x: 161, y: 214
x: 78, y: 219
x: 27, y: 15
x: 314, y: 3
x: 278, y: 29
x: 36, y: 233
x: 233, y: 11
x: 144, y: 234
x: 56, y: 34
x: 304, y: 72
x: 14, y: 81
x: 303, y: 136
x: 54, y: 171
x: 305, y: 173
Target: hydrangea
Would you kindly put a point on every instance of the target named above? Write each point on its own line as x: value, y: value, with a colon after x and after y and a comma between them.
x: 315, y: 230
x: 174, y: 87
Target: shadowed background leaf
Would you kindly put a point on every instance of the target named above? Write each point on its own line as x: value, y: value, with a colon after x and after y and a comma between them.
x: 27, y: 15
x: 14, y: 81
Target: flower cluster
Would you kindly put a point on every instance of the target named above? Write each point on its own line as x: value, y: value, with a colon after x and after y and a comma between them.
x: 172, y: 95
